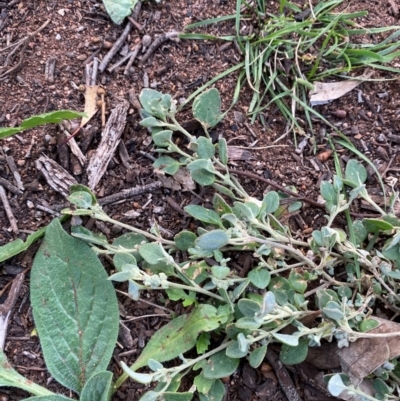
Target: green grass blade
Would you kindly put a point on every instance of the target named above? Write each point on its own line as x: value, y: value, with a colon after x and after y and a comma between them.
x: 210, y: 82
x: 204, y: 36
x: 209, y: 22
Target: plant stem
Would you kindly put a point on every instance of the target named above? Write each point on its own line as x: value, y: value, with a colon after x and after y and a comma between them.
x: 124, y: 376
x: 196, y: 289
x: 104, y: 217
x: 297, y: 254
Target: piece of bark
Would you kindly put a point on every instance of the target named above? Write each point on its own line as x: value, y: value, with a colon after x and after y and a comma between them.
x: 88, y: 134
x: 283, y: 376
x: 58, y: 178
x: 111, y: 137
x: 63, y: 151
x: 123, y: 154
x: 7, y: 208
x: 49, y: 69
x: 76, y: 165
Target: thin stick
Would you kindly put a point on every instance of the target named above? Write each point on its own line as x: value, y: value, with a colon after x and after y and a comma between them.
x: 136, y: 11
x: 160, y: 40
x: 117, y: 45
x: 136, y: 24
x: 277, y: 186
x: 11, y: 187
x: 132, y: 59
x: 95, y: 68
x: 127, y: 193
x: 8, y: 210
x: 121, y: 61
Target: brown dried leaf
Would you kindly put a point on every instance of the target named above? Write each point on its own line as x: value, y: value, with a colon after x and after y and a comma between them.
x: 91, y: 108
x: 365, y: 355
x: 235, y: 153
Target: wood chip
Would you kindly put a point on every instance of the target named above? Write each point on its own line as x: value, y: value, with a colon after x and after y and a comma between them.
x: 58, y: 178
x: 111, y: 137
x: 49, y: 69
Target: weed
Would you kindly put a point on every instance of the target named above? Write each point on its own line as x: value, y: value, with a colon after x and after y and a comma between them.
x: 75, y: 307
x: 286, y: 52
x: 52, y: 117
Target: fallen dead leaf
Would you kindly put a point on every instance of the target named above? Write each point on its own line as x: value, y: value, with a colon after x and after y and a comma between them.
x: 91, y: 107
x: 325, y: 92
x: 365, y: 355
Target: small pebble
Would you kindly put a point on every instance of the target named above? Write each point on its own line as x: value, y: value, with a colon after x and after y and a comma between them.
x: 58, y: 36
x: 81, y: 57
x: 146, y: 40
x: 339, y: 113
x: 107, y: 45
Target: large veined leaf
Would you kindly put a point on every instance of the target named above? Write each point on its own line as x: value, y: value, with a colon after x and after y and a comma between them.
x: 74, y: 307
x: 178, y: 336
x: 119, y: 9
x: 54, y: 397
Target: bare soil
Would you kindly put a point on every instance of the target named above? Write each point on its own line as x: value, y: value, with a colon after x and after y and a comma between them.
x: 78, y: 31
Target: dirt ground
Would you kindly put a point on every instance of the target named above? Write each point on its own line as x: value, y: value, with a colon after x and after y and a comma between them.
x: 74, y: 33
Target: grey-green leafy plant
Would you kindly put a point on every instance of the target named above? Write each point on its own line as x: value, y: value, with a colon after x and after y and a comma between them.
x: 284, y: 53
x: 243, y: 315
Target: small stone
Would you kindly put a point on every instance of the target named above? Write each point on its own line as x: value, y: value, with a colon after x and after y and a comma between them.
x: 339, y: 113
x: 58, y: 36
x: 146, y: 40
x: 107, y: 45
x: 82, y: 57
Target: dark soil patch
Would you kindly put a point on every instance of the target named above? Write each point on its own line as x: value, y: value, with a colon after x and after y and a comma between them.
x: 79, y: 30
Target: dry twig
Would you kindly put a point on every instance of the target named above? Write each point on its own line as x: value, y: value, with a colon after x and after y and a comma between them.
x: 15, y: 46
x: 127, y: 193
x: 117, y: 45
x: 8, y: 210
x: 159, y: 41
